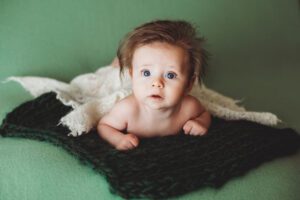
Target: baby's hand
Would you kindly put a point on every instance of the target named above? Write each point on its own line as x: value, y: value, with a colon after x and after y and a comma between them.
x: 192, y: 127
x: 127, y: 142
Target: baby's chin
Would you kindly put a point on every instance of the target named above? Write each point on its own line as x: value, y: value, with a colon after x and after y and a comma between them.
x: 156, y: 107
x: 159, y: 105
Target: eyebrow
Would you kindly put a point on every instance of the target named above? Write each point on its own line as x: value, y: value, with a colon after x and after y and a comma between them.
x: 147, y: 65
x: 171, y: 66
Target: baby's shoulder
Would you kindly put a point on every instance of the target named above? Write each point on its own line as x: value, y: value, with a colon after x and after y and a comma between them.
x: 190, y: 101
x: 192, y: 106
x: 126, y: 106
x: 120, y: 113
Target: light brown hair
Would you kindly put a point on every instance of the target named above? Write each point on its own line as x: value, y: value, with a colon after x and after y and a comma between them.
x: 178, y: 33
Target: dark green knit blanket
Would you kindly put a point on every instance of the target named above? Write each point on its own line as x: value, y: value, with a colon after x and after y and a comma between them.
x: 159, y: 167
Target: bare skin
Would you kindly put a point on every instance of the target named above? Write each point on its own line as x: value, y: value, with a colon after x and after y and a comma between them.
x: 160, y: 104
x: 115, y: 62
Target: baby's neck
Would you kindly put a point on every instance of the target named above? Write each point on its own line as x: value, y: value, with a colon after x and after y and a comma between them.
x: 160, y: 114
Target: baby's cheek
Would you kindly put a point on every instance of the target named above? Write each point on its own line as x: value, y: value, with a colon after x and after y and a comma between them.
x: 139, y: 91
x: 177, y: 93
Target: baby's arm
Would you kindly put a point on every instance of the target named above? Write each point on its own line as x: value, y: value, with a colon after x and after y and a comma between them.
x: 110, y: 127
x: 197, y: 125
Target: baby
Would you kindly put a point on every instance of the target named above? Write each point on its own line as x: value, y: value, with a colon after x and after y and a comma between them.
x: 164, y: 59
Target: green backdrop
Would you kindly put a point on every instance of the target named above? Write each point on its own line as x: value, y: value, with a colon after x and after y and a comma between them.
x: 254, y: 44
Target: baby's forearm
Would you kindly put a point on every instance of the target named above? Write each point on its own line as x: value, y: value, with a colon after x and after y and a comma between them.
x: 109, y: 134
x: 204, y: 119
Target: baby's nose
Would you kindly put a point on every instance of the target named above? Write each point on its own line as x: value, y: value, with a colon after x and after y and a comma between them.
x: 157, y: 83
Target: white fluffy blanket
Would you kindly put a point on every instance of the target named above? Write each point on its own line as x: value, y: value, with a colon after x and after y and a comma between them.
x: 92, y: 95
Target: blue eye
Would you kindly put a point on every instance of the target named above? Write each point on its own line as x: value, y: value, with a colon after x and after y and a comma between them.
x: 171, y: 75
x: 146, y: 73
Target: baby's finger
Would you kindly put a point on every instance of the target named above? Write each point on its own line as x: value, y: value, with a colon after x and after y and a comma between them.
x: 127, y: 146
x: 134, y: 140
x: 200, y: 131
x: 193, y: 132
x: 187, y: 128
x: 130, y: 146
x: 123, y: 147
x: 203, y: 132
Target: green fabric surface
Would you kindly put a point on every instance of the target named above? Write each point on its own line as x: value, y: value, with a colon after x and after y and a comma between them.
x: 37, y: 170
x: 255, y: 46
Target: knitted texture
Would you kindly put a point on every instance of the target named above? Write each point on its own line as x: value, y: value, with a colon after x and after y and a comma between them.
x: 160, y: 167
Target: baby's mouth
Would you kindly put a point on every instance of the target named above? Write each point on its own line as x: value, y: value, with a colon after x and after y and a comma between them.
x: 155, y: 96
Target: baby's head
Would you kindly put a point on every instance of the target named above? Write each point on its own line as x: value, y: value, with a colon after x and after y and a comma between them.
x: 179, y: 34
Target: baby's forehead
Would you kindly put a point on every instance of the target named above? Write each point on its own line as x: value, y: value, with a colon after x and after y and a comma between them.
x: 166, y: 55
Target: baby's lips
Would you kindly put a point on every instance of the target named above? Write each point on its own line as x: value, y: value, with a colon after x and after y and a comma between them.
x: 156, y: 96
